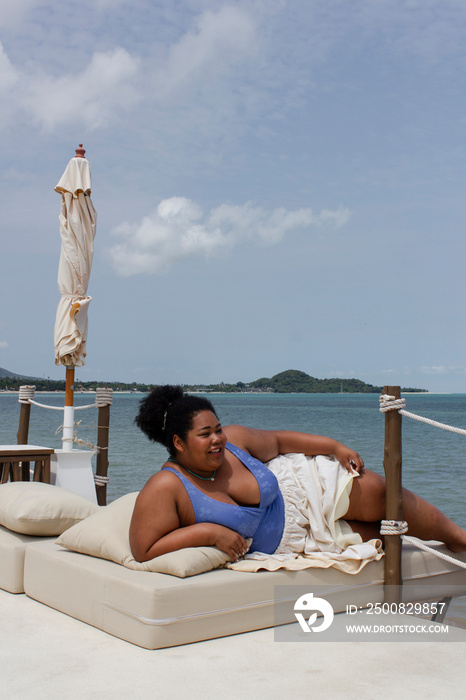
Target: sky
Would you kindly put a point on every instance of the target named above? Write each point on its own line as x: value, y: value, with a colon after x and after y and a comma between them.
x: 279, y: 184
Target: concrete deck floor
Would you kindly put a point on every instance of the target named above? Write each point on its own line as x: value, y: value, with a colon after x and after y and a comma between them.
x: 48, y: 655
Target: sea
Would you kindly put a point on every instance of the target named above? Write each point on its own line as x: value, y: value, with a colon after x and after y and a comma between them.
x: 433, y: 462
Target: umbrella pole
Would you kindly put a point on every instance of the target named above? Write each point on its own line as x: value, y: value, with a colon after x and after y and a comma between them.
x: 68, y: 414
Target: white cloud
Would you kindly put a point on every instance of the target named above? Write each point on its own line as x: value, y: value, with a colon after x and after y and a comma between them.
x: 442, y: 369
x: 9, y: 77
x: 212, y: 49
x: 89, y: 97
x: 271, y: 227
x: 177, y: 229
x: 12, y: 13
x: 8, y: 73
x: 117, y: 80
x: 218, y: 38
x: 3, y: 345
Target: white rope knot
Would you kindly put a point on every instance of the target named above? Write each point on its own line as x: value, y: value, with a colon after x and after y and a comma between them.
x: 101, y: 480
x: 26, y: 393
x: 400, y: 527
x: 390, y: 403
x: 103, y: 396
x: 393, y: 527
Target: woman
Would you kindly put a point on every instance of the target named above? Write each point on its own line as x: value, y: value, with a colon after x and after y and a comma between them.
x: 215, y: 489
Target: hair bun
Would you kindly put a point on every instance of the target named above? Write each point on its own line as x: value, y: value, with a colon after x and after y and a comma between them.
x: 159, y: 423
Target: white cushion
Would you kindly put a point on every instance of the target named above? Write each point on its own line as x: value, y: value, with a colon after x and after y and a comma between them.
x: 34, y: 508
x: 106, y: 535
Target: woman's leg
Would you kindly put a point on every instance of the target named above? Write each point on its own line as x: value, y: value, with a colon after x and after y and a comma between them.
x: 367, y: 505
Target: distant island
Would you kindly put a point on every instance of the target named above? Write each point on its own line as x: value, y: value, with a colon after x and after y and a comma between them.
x: 292, y: 381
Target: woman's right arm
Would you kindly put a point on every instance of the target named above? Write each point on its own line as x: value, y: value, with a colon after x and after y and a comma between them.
x: 155, y: 527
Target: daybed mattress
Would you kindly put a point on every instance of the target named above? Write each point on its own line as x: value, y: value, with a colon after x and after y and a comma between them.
x: 158, y: 610
x: 12, y: 550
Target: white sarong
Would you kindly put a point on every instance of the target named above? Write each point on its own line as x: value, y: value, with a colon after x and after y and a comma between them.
x: 316, y: 494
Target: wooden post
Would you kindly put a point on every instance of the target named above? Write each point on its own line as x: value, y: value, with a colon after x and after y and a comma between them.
x: 68, y: 412
x: 23, y: 430
x: 394, y: 499
x: 22, y: 435
x: 101, y: 469
x: 69, y: 386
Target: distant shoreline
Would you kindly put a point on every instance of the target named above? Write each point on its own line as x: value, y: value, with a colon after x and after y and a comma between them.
x: 253, y: 393
x: 291, y: 381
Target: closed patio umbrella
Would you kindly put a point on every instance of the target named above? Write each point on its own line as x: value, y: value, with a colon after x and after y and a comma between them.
x: 77, y: 231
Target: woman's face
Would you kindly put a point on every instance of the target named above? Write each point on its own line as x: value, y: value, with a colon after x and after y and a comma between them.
x: 204, y: 445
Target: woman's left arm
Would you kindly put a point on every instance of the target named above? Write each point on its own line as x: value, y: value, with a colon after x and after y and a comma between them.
x: 267, y: 444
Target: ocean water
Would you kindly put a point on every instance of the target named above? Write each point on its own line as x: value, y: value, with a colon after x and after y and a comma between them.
x: 433, y: 460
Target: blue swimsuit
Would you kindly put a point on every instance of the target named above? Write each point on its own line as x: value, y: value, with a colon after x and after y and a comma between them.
x: 264, y: 523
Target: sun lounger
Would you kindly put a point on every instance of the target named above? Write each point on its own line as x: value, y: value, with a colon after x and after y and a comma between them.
x: 156, y: 610
x: 185, y: 596
x: 12, y: 551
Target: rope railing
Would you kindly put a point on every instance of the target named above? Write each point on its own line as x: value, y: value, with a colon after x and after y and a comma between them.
x: 101, y: 480
x: 103, y: 401
x: 26, y: 392
x: 400, y: 527
x: 43, y: 405
x: 103, y: 397
x: 390, y: 403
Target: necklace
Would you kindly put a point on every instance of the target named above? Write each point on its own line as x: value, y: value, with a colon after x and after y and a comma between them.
x: 204, y: 478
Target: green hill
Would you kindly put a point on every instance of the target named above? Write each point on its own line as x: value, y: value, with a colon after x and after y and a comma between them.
x: 5, y: 374
x: 293, y: 381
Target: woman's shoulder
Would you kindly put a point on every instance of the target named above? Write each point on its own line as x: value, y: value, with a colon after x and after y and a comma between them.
x: 261, y: 444
x: 162, y: 481
x: 236, y: 434
x: 241, y: 437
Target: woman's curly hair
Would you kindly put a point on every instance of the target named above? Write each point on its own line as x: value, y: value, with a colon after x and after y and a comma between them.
x: 167, y: 411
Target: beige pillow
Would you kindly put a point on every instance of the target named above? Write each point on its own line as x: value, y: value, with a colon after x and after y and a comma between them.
x: 34, y: 508
x: 106, y: 535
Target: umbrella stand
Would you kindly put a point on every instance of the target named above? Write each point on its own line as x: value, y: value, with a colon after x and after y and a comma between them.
x: 68, y: 413
x: 72, y: 468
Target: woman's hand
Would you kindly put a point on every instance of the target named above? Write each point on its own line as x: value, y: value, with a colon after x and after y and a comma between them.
x: 229, y: 541
x: 349, y: 458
